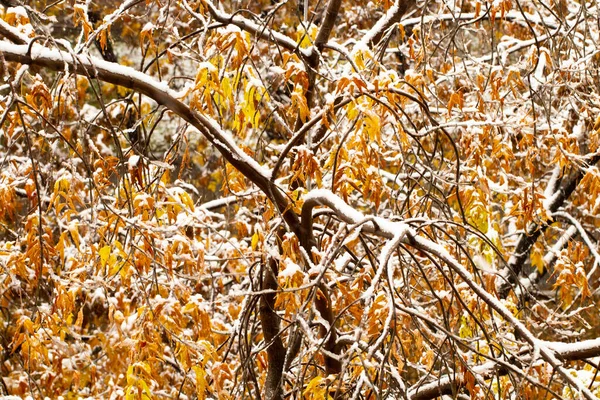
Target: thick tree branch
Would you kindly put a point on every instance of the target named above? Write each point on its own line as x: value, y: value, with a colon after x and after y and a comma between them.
x: 162, y: 94
x: 390, y: 229
x: 11, y: 33
x: 331, y: 13
x: 448, y: 384
x: 532, y: 233
x: 270, y: 326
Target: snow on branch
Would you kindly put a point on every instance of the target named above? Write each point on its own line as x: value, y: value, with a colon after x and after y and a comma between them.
x: 533, y: 231
x: 389, y: 229
x: 585, y: 238
x: 448, y: 384
x: 346, y: 213
x: 552, y: 254
x: 393, y: 16
x: 160, y: 92
x: 549, y: 258
x: 522, y: 18
x: 11, y: 33
x: 128, y: 77
x: 262, y: 32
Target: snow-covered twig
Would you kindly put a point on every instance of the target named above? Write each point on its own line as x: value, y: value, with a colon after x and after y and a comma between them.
x: 391, y: 17
x: 262, y: 32
x: 585, y: 238
x: 390, y: 229
x: 160, y: 92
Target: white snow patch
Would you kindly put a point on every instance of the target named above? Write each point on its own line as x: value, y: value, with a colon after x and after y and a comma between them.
x: 290, y: 269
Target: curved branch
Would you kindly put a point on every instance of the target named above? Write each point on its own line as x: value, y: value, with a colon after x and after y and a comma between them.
x: 160, y: 92
x: 257, y: 30
x: 447, y: 384
x: 389, y: 229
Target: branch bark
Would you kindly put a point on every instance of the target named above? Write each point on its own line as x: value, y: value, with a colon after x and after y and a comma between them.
x: 449, y: 384
x: 393, y: 16
x: 389, y: 229
x: 11, y: 33
x: 527, y: 239
x: 331, y: 13
x: 269, y: 321
x: 116, y: 74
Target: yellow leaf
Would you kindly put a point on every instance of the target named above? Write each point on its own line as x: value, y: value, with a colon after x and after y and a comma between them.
x: 305, y: 39
x: 200, y: 382
x: 146, y: 33
x: 537, y: 260
x: 74, y: 235
x: 187, y: 200
x: 104, y: 254
x: 145, y: 389
x: 455, y: 100
x: 313, y: 384
x: 352, y: 110
x: 28, y: 325
x: 255, y: 240
x: 361, y: 56
x: 372, y: 126
x: 131, y: 394
x: 189, y: 307
x: 226, y: 87
x: 248, y: 107
x: 465, y: 330
x: 597, y: 123
x: 79, y: 321
x: 299, y: 101
x: 80, y: 16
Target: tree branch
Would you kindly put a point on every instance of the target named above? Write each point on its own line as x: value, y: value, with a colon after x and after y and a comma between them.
x: 331, y: 13
x: 11, y: 33
x: 448, y: 384
x: 269, y: 321
x: 262, y: 32
x: 393, y: 16
x: 160, y: 92
x: 527, y: 239
x: 389, y: 229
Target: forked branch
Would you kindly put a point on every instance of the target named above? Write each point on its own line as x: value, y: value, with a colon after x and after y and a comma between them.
x: 94, y: 68
x: 390, y: 229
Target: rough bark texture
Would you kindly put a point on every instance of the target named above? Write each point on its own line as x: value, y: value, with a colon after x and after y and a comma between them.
x: 270, y: 326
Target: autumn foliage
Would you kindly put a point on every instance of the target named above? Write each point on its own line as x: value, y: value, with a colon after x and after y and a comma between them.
x: 299, y: 199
